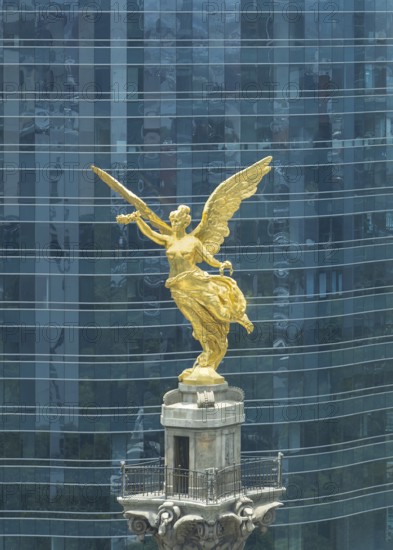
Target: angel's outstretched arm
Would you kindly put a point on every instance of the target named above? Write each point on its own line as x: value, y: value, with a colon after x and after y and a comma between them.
x: 158, y: 238
x: 211, y: 260
x: 133, y: 199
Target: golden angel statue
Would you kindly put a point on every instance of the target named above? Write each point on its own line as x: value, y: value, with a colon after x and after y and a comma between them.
x: 209, y: 302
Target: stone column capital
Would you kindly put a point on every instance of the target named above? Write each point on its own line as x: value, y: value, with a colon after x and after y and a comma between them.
x: 208, y: 528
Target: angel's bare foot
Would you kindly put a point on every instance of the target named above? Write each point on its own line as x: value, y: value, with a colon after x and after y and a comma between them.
x: 185, y: 374
x: 201, y: 360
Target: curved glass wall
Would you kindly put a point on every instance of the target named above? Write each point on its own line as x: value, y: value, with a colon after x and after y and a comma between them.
x: 172, y: 98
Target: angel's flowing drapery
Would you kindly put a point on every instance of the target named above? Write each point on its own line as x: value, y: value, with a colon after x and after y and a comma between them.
x: 210, y: 303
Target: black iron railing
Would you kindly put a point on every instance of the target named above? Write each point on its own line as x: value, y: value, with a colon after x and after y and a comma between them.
x: 208, y: 486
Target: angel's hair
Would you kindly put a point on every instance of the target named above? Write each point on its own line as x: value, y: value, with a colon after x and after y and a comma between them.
x: 183, y: 212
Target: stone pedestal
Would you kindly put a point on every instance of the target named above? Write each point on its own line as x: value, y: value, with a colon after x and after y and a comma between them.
x: 206, y: 421
x: 203, y: 496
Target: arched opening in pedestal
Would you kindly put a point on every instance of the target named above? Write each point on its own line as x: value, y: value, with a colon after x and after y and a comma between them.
x: 181, y: 464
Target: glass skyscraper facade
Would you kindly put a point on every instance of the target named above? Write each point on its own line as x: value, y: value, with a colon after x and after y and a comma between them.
x: 172, y: 97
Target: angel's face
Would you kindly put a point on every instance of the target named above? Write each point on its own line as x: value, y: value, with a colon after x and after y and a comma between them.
x: 179, y: 220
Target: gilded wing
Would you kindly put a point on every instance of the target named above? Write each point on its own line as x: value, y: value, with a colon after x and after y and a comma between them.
x: 225, y: 201
x: 133, y: 199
